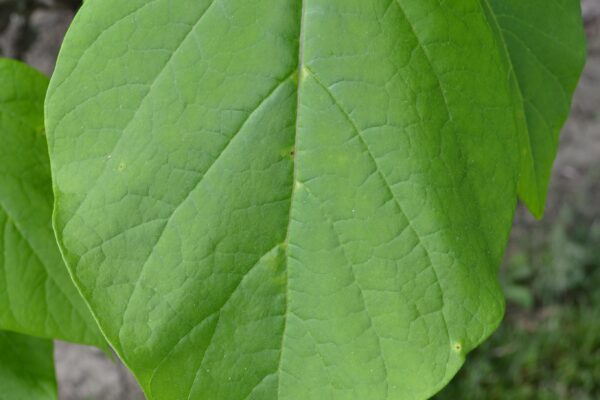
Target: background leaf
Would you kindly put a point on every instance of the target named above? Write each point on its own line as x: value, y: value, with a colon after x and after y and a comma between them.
x: 37, y: 296
x: 26, y: 368
x: 544, y: 43
x: 291, y: 199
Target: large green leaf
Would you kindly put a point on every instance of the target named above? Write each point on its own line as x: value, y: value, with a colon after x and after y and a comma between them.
x: 37, y: 296
x: 26, y: 368
x: 293, y: 199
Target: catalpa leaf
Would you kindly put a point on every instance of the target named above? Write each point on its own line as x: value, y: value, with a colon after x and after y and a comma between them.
x: 293, y: 199
x: 26, y: 368
x: 37, y: 296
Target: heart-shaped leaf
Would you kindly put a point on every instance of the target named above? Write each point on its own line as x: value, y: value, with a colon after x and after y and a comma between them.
x: 300, y: 199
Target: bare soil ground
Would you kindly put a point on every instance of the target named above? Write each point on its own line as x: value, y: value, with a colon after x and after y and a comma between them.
x: 32, y: 30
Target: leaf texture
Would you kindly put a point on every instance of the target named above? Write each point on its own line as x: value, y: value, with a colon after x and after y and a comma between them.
x: 291, y: 199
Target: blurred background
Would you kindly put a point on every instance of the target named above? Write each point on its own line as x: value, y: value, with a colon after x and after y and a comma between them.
x: 548, y: 347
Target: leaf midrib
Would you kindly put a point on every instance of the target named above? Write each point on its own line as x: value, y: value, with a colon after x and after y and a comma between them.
x: 300, y: 75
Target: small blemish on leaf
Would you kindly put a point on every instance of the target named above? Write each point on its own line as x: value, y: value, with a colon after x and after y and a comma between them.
x: 122, y: 166
x: 304, y: 73
x: 288, y: 152
x: 458, y: 347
